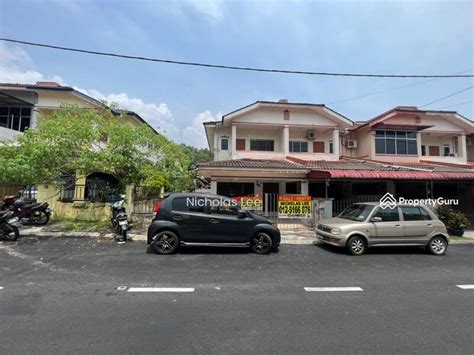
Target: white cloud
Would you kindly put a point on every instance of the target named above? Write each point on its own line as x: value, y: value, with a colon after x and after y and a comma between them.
x: 13, y: 61
x: 195, y: 134
x: 16, y: 67
x: 211, y: 8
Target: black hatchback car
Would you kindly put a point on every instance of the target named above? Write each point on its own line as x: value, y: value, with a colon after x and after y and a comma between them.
x: 187, y: 219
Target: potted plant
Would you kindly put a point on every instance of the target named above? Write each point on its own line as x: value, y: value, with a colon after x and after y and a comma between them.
x: 455, y: 221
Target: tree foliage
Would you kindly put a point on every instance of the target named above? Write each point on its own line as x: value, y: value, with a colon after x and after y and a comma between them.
x: 74, y: 139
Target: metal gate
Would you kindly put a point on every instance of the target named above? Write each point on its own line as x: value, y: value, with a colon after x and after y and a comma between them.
x: 270, y: 205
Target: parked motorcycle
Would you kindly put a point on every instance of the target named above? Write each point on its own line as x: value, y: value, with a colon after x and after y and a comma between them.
x: 36, y: 213
x: 119, y: 220
x: 9, y: 225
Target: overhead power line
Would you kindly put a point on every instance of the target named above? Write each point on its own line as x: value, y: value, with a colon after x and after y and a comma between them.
x: 229, y: 67
x: 390, y: 89
x: 458, y: 104
x: 446, y: 97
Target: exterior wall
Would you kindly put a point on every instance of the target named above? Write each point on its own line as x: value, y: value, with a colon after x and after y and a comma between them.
x: 442, y: 131
x: 83, y: 211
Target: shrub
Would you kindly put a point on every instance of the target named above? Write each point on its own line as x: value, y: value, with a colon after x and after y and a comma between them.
x: 454, y: 220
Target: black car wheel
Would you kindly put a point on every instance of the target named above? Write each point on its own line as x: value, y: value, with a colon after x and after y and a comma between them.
x: 40, y: 218
x: 166, y: 243
x: 261, y: 243
x: 437, y: 245
x: 356, y: 245
x: 11, y: 233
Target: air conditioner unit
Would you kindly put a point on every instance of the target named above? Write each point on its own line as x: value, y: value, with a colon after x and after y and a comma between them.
x: 351, y: 143
x: 311, y: 135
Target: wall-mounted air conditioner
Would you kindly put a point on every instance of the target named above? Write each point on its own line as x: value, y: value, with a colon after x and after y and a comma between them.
x: 311, y: 135
x: 351, y: 143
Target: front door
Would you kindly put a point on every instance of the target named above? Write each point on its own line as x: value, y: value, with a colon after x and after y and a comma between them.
x: 390, y: 229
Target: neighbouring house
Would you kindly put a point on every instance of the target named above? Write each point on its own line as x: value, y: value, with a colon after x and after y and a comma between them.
x: 283, y: 148
x: 21, y: 106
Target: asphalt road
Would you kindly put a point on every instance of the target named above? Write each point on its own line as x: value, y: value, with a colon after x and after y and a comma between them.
x: 72, y: 296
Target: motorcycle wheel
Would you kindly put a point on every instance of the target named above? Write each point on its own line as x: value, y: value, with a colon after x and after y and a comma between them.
x: 124, y: 235
x: 10, y: 232
x: 40, y: 218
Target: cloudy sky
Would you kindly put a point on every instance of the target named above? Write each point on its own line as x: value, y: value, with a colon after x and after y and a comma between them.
x: 396, y: 37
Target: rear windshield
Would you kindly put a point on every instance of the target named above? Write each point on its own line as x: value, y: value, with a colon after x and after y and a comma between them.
x: 357, y: 212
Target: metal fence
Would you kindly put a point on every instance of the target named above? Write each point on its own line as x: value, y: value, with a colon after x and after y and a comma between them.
x: 340, y: 205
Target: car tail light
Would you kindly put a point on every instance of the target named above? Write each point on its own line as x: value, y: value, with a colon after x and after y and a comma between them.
x: 157, y: 207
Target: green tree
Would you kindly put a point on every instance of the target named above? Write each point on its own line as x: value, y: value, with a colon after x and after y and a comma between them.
x: 75, y: 139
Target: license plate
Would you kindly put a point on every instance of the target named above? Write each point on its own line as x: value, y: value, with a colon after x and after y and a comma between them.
x: 123, y: 222
x: 13, y: 220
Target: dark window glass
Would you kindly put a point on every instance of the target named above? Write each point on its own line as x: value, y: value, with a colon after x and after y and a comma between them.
x: 293, y: 188
x: 15, y: 123
x: 401, y: 134
x: 412, y: 149
x: 191, y: 204
x: 223, y: 207
x: 411, y: 135
x: 15, y: 111
x: 423, y: 150
x: 387, y: 214
x: 356, y: 212
x: 390, y: 134
x: 390, y: 144
x: 298, y: 147
x: 415, y: 214
x: 380, y: 145
x: 3, y: 121
x: 401, y: 146
x: 224, y: 144
x: 25, y: 123
x: 26, y: 112
x: 3, y: 111
x: 380, y: 133
x: 446, y: 151
x: 262, y: 145
x: 233, y: 189
x: 331, y: 148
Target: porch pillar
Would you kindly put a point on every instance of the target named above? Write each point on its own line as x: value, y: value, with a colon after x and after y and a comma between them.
x: 213, y: 187
x: 286, y: 140
x: 215, y: 151
x: 418, y: 144
x: 305, y: 188
x: 462, y: 147
x: 233, y: 145
x: 336, y: 143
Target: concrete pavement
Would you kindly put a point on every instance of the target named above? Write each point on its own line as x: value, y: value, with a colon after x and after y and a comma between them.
x: 72, y: 295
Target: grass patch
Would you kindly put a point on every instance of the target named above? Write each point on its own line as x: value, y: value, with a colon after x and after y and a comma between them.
x: 81, y: 226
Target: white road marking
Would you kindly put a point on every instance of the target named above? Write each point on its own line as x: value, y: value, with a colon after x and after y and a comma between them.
x: 466, y: 287
x: 122, y: 288
x: 331, y: 289
x: 160, y: 289
x: 1, y: 287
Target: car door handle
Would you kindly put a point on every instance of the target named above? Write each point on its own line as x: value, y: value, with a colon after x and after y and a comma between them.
x: 213, y: 220
x: 430, y: 224
x: 177, y: 217
x: 397, y: 225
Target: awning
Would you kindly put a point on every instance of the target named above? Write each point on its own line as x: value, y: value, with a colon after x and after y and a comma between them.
x: 389, y: 175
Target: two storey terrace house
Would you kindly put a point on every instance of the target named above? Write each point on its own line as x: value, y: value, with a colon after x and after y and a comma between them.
x: 275, y: 148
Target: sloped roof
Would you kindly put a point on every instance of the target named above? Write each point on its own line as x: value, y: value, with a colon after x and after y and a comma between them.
x: 253, y: 164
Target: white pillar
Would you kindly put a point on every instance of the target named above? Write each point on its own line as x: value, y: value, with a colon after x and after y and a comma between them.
x: 233, y: 145
x: 418, y: 145
x: 304, y: 187
x: 34, y: 117
x: 462, y: 147
x: 215, y: 152
x: 286, y: 140
x: 336, y: 143
x: 213, y: 187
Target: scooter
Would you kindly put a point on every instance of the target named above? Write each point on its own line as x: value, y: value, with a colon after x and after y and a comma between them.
x: 9, y: 226
x: 36, y: 213
x: 119, y: 220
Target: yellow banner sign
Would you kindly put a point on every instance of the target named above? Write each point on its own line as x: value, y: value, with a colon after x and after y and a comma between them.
x: 294, y: 206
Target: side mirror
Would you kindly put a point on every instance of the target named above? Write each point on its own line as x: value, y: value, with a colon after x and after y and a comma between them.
x: 376, y: 219
x: 242, y: 214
